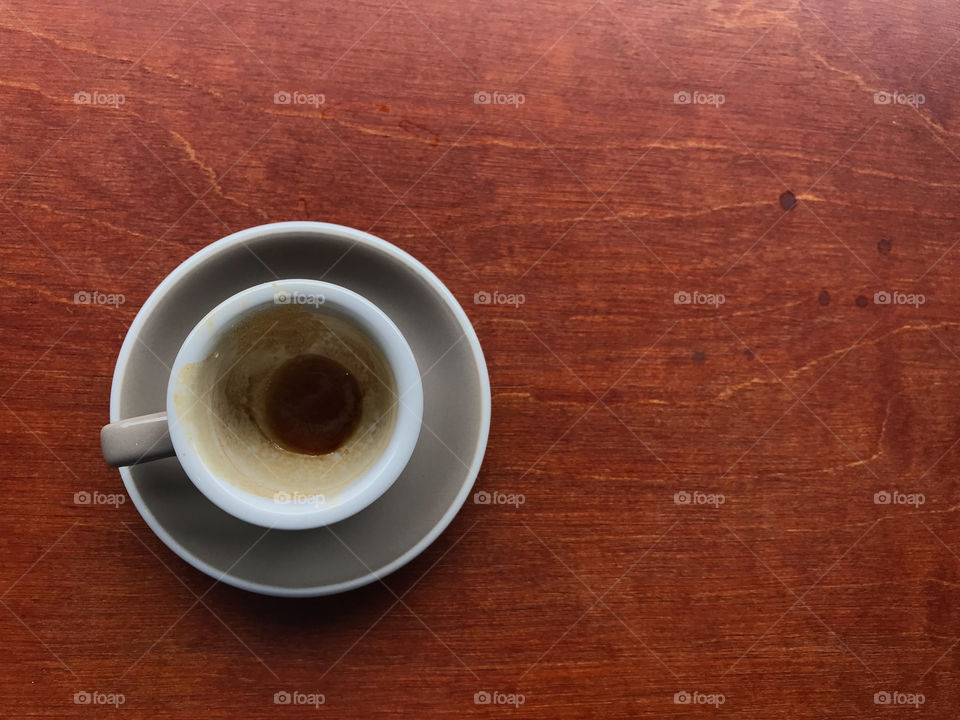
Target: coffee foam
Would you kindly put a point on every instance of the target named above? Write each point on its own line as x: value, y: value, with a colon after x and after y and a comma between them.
x: 220, y: 403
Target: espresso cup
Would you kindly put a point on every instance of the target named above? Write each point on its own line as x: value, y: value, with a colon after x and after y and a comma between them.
x: 224, y: 399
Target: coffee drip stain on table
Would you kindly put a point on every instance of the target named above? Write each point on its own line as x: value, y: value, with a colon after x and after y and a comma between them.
x: 811, y: 591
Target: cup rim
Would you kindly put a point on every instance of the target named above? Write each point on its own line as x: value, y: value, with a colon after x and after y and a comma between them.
x: 300, y: 513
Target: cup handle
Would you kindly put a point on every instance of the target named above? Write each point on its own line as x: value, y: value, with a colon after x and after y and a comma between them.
x: 136, y: 440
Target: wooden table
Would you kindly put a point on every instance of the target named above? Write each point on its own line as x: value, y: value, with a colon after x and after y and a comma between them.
x: 728, y: 396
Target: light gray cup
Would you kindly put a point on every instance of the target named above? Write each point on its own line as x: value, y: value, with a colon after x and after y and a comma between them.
x: 161, y: 434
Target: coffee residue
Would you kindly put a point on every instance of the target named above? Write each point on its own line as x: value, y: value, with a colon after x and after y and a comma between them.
x: 313, y: 404
x: 224, y: 402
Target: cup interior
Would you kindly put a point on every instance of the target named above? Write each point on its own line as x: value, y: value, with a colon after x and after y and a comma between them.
x: 214, y: 409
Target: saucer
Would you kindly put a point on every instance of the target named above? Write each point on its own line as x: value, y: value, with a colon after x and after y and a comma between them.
x: 436, y: 481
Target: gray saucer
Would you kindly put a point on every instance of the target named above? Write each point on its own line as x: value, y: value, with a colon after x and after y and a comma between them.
x: 430, y: 491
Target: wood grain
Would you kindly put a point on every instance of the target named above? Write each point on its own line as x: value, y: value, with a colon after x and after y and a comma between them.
x: 600, y: 199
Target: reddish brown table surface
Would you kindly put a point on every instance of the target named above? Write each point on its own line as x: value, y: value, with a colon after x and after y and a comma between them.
x: 600, y: 198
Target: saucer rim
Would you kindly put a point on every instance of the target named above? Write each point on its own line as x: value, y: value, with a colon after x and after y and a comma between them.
x: 358, y: 237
